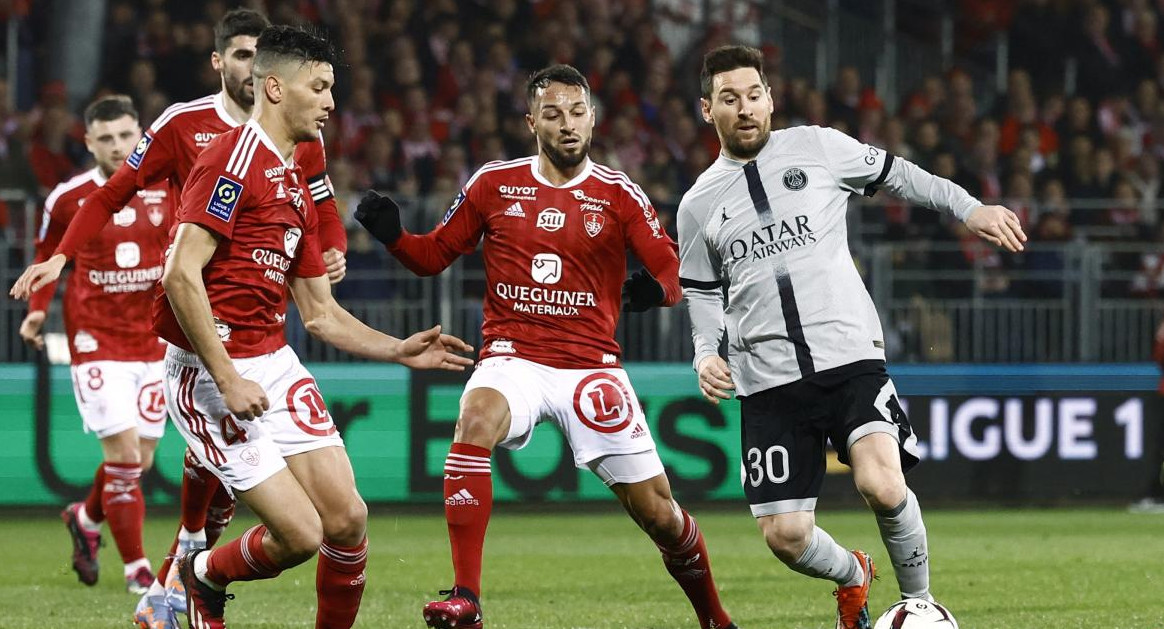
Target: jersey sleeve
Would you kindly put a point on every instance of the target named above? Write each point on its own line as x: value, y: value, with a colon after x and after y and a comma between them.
x: 54, y: 222
x: 458, y: 233
x: 651, y: 244
x: 332, y: 233
x: 857, y: 167
x: 698, y: 262
x: 212, y: 197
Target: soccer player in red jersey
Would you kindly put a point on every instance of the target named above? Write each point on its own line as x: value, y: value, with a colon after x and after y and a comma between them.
x: 116, y: 358
x: 556, y: 229
x: 166, y: 154
x: 249, y: 411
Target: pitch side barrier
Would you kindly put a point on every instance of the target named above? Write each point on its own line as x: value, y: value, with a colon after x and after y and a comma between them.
x: 1012, y: 434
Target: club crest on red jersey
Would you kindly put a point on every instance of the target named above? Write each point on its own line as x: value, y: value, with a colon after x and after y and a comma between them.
x: 225, y: 197
x: 593, y: 222
x: 156, y: 216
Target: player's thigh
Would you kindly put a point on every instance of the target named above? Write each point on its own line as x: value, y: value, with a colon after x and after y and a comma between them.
x: 240, y: 453
x: 325, y: 474
x: 783, y: 455
x: 106, y: 393
x: 507, y: 397
x: 599, y: 414
x: 867, y: 404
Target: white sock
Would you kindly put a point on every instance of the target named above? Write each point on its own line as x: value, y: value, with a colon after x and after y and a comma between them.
x: 188, y: 540
x: 904, y: 535
x: 200, y: 571
x: 826, y: 559
x: 133, y: 566
x: 85, y: 521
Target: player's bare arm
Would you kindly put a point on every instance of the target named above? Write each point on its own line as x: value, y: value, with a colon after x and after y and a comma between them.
x: 182, y: 280
x: 326, y: 320
x: 38, y: 276
x: 998, y: 225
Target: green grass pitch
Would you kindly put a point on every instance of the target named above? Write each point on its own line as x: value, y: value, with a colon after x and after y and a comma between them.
x: 591, y: 568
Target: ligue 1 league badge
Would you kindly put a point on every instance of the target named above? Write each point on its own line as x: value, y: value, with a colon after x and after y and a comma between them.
x: 593, y: 222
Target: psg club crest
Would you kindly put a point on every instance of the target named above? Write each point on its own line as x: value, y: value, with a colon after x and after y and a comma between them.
x: 593, y: 222
x: 795, y: 179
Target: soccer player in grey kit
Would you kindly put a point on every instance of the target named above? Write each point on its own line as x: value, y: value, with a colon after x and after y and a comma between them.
x: 766, y: 221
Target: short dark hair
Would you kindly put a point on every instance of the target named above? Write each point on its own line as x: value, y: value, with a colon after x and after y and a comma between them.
x: 282, y: 43
x: 238, y: 22
x: 109, y: 108
x: 726, y: 59
x: 560, y: 73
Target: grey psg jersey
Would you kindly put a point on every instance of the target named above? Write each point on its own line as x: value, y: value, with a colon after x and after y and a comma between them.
x: 773, y: 233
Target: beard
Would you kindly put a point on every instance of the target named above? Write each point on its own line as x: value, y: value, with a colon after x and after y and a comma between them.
x: 562, y: 160
x: 748, y: 149
x: 237, y: 91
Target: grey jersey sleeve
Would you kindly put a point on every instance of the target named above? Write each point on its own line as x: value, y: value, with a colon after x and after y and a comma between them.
x: 912, y: 183
x: 699, y: 276
x: 858, y: 167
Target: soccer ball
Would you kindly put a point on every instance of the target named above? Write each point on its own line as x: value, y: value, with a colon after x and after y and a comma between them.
x: 916, y: 613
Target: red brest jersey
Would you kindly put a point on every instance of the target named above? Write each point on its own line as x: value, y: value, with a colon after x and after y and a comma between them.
x: 268, y: 228
x: 108, y: 295
x: 167, y: 152
x: 555, y: 258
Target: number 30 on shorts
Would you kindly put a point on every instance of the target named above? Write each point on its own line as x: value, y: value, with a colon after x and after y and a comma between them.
x: 771, y: 464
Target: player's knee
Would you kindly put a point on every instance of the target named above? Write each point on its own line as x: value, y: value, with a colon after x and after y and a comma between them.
x: 787, y: 537
x: 349, y: 526
x: 660, y: 519
x: 479, y: 425
x: 299, y: 542
x: 883, y: 490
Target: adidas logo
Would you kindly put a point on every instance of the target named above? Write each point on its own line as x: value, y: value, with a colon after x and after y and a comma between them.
x: 638, y: 431
x: 462, y: 498
x: 515, y: 210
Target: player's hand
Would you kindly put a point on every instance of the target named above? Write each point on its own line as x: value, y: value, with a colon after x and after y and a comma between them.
x: 245, y: 399
x: 715, y: 379
x: 998, y: 225
x: 37, y: 276
x: 337, y: 265
x: 30, y: 329
x: 432, y: 350
x: 641, y: 292
x: 380, y: 215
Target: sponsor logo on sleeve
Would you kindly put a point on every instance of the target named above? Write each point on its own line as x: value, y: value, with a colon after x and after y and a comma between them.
x: 454, y: 207
x: 224, y: 198
x: 291, y: 240
x: 139, y: 151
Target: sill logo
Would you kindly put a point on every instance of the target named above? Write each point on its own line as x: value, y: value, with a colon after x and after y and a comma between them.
x: 546, y: 268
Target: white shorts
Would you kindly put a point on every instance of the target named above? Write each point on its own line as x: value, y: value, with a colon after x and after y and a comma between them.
x: 115, y: 395
x: 245, y: 453
x: 596, y: 409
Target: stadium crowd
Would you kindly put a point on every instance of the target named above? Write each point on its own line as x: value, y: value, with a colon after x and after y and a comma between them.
x: 431, y: 90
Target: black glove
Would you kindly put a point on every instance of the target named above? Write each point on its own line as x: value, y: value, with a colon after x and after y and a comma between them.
x: 641, y: 292
x: 380, y: 215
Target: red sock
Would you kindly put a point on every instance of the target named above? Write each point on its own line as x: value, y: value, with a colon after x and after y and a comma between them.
x: 198, y: 487
x: 124, y: 508
x: 688, y: 563
x: 241, y: 559
x: 468, y: 504
x: 339, y: 584
x: 93, y: 507
x: 218, y: 515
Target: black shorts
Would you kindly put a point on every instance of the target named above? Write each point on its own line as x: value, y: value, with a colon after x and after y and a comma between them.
x: 783, y: 432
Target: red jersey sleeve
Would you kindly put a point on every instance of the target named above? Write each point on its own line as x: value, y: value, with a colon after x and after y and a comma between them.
x: 310, y: 261
x: 651, y: 244
x: 212, y: 198
x: 458, y: 234
x: 55, y: 222
x: 151, y: 161
x: 313, y: 161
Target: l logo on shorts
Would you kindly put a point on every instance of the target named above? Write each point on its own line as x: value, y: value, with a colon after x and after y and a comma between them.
x: 305, y: 403
x: 603, y: 403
